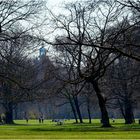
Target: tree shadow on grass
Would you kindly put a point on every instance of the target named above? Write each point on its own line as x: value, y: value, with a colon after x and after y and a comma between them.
x: 86, y: 129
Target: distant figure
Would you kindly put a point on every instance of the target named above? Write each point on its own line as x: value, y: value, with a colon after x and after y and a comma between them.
x: 4, y: 119
x: 39, y: 119
x: 60, y: 122
x: 26, y: 118
x: 101, y: 121
x: 113, y: 119
x: 42, y: 119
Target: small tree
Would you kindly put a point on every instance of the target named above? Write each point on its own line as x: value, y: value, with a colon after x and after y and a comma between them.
x: 123, y: 81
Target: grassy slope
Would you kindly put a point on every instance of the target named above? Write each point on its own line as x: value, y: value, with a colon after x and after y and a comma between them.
x: 49, y: 130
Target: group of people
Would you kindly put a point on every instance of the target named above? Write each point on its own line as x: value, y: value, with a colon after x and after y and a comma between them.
x: 41, y: 119
x: 59, y: 121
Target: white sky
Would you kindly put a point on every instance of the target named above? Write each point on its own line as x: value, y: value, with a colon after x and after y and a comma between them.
x: 57, y: 2
x: 55, y: 5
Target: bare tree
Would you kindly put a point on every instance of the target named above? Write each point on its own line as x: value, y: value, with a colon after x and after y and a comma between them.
x: 132, y: 8
x: 123, y: 81
x: 88, y: 94
x: 66, y: 73
x: 17, y: 20
x: 86, y: 32
x: 131, y: 4
x: 13, y: 82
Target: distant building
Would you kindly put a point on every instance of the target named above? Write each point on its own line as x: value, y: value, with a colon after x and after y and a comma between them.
x: 42, y: 51
x: 43, y: 64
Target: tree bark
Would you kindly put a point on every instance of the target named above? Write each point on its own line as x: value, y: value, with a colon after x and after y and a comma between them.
x: 73, y: 110
x: 8, y: 105
x: 89, y: 113
x: 101, y: 100
x: 9, y: 114
x: 78, y: 109
x: 129, y: 116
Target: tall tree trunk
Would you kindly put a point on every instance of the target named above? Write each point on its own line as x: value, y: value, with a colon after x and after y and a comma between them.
x: 73, y: 110
x: 101, y: 99
x: 9, y: 114
x: 88, y: 110
x: 8, y: 105
x: 129, y: 116
x: 77, y: 108
x: 127, y: 112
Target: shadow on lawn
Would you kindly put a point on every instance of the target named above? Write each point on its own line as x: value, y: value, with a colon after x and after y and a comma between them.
x: 86, y: 129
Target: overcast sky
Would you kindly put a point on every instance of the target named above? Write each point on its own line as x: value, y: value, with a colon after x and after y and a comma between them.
x: 54, y: 4
x: 58, y: 2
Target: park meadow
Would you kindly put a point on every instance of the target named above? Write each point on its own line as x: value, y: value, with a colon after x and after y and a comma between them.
x: 69, y: 130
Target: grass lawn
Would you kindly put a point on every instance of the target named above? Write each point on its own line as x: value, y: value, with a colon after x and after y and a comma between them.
x: 69, y: 130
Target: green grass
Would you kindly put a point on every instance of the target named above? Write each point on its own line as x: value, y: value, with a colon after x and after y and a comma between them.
x: 49, y: 130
